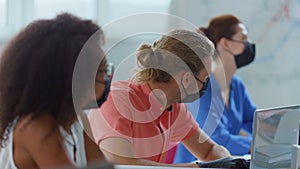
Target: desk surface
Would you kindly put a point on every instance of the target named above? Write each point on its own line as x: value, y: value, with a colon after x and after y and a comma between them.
x: 146, y: 167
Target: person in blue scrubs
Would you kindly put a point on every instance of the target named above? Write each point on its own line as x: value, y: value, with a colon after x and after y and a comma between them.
x: 225, y: 111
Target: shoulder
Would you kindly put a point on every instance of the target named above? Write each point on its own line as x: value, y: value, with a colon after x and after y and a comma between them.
x: 37, y: 138
x: 236, y: 79
x: 35, y: 130
x: 125, y: 96
x: 238, y: 82
x: 35, y: 124
x: 129, y: 86
x: 121, y: 91
x: 124, y: 85
x: 181, y: 112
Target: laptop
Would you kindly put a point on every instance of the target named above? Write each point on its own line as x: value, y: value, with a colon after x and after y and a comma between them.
x: 275, y: 130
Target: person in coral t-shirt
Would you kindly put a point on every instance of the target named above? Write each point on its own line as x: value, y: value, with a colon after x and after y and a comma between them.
x: 145, y: 116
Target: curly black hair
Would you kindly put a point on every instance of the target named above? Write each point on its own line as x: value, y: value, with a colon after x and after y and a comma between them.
x: 36, y: 70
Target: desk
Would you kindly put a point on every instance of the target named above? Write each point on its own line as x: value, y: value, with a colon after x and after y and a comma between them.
x: 147, y: 167
x: 111, y: 166
x: 144, y: 167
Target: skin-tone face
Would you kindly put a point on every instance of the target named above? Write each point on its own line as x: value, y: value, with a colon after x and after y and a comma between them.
x: 173, y: 92
x: 235, y: 45
x: 188, y: 81
x: 229, y: 47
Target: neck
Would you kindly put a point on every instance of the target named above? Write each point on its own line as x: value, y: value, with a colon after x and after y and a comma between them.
x: 223, y: 78
x: 224, y: 69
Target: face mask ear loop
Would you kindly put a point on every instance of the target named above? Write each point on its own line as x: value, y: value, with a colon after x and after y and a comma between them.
x: 100, y: 101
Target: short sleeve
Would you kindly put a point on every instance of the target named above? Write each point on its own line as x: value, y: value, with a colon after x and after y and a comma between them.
x: 185, y: 125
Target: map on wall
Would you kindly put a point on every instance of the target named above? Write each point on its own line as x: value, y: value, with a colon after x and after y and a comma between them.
x: 274, y: 78
x: 274, y: 26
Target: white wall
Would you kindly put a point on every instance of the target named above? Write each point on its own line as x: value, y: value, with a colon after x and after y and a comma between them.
x: 274, y: 25
x: 2, y: 44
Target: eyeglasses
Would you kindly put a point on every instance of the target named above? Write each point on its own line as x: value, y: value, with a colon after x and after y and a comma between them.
x: 204, y: 85
x: 239, y: 41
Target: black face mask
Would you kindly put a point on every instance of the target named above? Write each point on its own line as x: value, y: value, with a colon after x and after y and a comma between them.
x: 106, y: 92
x: 247, y: 56
x: 192, y: 97
x: 100, y: 101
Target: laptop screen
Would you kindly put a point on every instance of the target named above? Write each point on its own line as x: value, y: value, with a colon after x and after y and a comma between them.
x: 275, y: 130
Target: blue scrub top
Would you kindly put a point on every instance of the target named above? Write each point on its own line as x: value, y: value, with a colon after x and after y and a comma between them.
x: 221, y: 123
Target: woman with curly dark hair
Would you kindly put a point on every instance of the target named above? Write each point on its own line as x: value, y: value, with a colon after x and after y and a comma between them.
x: 39, y: 127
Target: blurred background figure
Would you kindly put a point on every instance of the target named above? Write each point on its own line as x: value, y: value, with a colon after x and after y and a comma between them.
x: 225, y: 112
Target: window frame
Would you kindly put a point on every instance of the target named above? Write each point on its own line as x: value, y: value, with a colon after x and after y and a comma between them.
x: 19, y: 13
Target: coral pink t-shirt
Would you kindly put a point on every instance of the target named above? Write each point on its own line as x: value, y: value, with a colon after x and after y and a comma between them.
x: 133, y: 113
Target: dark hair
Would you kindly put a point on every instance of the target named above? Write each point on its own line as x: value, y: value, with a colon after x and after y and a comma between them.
x: 36, y: 70
x: 220, y: 26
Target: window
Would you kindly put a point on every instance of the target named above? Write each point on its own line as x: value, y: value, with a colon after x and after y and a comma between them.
x: 121, y: 8
x: 50, y: 8
x: 15, y: 14
x: 3, y: 16
x: 117, y: 12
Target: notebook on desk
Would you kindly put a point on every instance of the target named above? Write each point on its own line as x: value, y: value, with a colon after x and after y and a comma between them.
x: 275, y: 130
